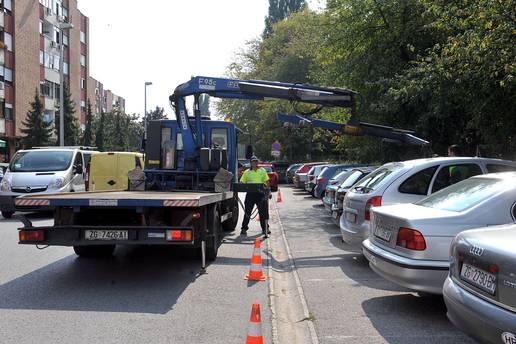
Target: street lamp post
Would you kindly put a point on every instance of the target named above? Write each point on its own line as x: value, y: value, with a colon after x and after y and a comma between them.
x: 147, y: 83
x: 62, y: 27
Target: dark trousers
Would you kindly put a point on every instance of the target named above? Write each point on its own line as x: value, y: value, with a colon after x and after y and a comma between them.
x: 262, y: 203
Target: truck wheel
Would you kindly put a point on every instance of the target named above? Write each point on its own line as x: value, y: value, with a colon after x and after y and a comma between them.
x: 94, y: 251
x: 7, y: 214
x: 212, y: 245
x: 230, y: 224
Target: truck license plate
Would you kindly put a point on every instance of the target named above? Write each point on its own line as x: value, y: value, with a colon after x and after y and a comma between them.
x: 106, y: 235
x: 479, y: 278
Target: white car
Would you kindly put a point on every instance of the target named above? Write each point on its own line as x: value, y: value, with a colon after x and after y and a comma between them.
x: 409, y: 244
x: 407, y: 182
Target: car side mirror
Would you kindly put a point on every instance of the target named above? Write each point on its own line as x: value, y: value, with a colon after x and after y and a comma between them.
x: 248, y: 152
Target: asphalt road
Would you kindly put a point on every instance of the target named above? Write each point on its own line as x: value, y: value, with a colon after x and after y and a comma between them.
x: 319, y: 291
x: 142, y: 295
x: 347, y: 301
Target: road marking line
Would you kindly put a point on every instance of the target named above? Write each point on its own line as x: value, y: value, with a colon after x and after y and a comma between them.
x: 272, y: 304
x: 304, y: 304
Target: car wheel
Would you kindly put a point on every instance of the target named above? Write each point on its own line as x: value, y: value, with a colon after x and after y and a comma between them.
x: 94, y: 251
x: 7, y: 214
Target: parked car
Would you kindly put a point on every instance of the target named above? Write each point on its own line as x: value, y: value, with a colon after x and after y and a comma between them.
x: 333, y: 186
x: 325, y: 175
x: 291, y: 171
x: 281, y: 168
x: 480, y: 292
x: 300, y: 175
x: 311, y: 177
x: 108, y: 171
x: 407, y: 182
x: 409, y: 243
x: 273, y: 176
x: 337, y: 207
x: 45, y: 170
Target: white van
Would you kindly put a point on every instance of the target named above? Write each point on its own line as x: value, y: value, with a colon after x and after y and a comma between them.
x: 43, y: 170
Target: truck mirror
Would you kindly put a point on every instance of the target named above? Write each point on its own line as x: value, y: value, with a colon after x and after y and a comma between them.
x: 248, y: 152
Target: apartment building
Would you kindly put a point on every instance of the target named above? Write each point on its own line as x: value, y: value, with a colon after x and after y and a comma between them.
x: 103, y: 100
x: 36, y: 39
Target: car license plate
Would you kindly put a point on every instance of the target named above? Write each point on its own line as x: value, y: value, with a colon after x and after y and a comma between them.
x: 334, y: 214
x: 479, y: 278
x: 350, y: 217
x: 382, y: 233
x: 106, y: 235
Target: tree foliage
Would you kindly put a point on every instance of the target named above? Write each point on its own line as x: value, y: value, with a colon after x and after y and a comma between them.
x: 442, y: 68
x: 279, y: 10
x: 87, y: 136
x: 36, y: 131
x: 71, y: 123
x: 118, y: 131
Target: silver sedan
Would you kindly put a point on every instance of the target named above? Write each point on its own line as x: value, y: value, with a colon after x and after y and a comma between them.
x: 409, y: 243
x: 480, y: 292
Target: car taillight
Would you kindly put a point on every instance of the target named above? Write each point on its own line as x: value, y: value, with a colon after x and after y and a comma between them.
x: 303, y: 169
x: 311, y: 178
x: 87, y: 178
x: 411, y: 239
x: 375, y: 201
x: 321, y: 180
x: 179, y: 235
x: 31, y: 235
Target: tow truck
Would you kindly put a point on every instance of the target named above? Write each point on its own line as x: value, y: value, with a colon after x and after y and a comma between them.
x: 186, y: 194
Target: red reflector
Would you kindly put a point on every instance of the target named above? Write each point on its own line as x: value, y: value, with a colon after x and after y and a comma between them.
x: 375, y: 201
x: 32, y: 235
x: 179, y: 235
x: 411, y: 239
x: 196, y: 216
x: 493, y: 269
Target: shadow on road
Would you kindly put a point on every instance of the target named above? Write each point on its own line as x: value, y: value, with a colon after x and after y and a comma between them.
x: 388, y: 314
x: 44, y: 215
x: 136, y: 279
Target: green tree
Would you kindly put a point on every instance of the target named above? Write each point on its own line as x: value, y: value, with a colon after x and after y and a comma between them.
x: 157, y: 114
x: 119, y: 131
x: 37, y: 132
x: 71, y: 124
x: 279, y: 10
x: 204, y: 105
x: 99, y: 130
x: 87, y: 138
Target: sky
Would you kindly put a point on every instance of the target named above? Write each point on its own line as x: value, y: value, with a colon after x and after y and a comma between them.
x: 166, y: 42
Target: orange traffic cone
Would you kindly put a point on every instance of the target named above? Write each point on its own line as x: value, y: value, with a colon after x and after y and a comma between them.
x: 254, y: 331
x: 255, y: 270
x: 280, y: 199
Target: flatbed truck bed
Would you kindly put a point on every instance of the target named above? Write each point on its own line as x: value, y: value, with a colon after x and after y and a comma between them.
x: 94, y: 223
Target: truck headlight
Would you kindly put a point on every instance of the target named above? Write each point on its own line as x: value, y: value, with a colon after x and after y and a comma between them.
x: 57, y: 183
x: 5, y: 185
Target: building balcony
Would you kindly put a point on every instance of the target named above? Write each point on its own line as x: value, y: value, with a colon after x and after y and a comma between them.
x: 2, y: 90
x: 2, y: 126
x: 2, y: 21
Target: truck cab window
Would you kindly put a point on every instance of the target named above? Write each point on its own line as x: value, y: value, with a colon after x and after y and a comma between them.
x: 219, y: 137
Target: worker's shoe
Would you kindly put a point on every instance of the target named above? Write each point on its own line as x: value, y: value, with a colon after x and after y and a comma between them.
x: 243, y: 232
x: 268, y: 232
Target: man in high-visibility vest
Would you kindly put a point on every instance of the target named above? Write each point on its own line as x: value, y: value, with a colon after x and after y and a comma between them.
x: 255, y: 175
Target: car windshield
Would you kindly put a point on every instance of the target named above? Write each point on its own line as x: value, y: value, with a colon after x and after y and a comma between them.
x: 341, y: 176
x: 465, y: 194
x: 351, y: 179
x: 373, y: 180
x: 312, y: 170
x: 41, y: 161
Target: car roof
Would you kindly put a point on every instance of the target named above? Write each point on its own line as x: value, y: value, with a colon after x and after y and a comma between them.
x: 455, y: 159
x: 499, y: 175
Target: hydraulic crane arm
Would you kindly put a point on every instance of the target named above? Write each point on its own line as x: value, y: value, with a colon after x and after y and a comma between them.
x: 250, y: 90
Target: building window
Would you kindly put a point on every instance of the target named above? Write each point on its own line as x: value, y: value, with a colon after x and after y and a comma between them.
x: 83, y: 84
x: 56, y: 62
x: 46, y: 89
x: 8, y: 41
x: 65, y: 39
x: 65, y: 68
x: 65, y: 13
x: 8, y: 5
x: 48, y: 116
x: 41, y: 57
x: 83, y: 60
x: 83, y: 37
x: 8, y: 111
x: 8, y: 74
x: 46, y: 59
x: 40, y: 27
x: 57, y: 91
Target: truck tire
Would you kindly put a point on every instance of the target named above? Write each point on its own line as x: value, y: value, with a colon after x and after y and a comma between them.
x: 94, y: 251
x: 7, y: 214
x: 230, y: 224
x: 212, y: 245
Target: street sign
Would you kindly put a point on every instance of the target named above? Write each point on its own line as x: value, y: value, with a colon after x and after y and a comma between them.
x: 276, y: 149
